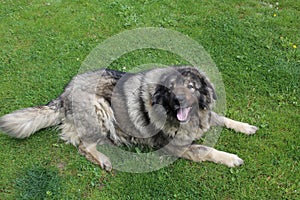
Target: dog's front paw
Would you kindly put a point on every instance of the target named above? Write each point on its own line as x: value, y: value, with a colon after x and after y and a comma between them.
x: 233, y: 161
x: 228, y: 159
x: 248, y: 129
x: 240, y: 126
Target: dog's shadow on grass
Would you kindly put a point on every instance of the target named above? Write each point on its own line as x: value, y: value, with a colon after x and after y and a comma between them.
x: 38, y: 182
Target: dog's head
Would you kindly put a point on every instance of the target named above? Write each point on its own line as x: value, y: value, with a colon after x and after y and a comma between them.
x: 183, y: 91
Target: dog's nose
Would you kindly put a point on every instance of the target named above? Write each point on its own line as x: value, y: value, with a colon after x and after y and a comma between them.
x: 180, y: 97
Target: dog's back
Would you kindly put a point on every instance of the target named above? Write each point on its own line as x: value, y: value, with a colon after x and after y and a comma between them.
x: 24, y: 122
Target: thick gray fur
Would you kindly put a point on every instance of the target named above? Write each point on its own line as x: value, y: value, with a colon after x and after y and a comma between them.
x: 112, y: 107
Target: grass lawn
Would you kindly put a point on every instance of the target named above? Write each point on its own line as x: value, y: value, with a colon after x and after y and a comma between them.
x: 255, y: 45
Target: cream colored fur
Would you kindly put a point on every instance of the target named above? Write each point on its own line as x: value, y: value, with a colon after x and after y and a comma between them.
x: 23, y: 123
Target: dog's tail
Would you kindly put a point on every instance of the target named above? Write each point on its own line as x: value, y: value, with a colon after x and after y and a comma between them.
x: 23, y: 123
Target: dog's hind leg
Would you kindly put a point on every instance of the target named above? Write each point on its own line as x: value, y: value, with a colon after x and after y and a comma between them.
x: 89, y: 150
x: 86, y: 146
x: 89, y: 123
x: 97, y: 128
x: 217, y: 120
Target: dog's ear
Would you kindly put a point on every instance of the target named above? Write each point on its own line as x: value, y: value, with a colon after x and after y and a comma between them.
x: 212, y: 90
x: 207, y: 94
x: 159, y: 93
x: 156, y: 97
x: 161, y: 96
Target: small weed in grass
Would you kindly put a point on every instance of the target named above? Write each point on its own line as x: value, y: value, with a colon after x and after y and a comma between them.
x: 38, y: 183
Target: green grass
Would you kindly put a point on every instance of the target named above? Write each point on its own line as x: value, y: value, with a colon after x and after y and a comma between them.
x: 38, y: 183
x: 43, y: 44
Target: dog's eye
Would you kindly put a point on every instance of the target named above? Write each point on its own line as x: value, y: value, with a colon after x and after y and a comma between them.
x: 190, y: 86
x: 171, y: 86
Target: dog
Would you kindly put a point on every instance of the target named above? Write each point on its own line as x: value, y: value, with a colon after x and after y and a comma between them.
x: 168, y: 108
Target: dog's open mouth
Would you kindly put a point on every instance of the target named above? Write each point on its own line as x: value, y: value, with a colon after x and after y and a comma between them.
x: 183, y: 114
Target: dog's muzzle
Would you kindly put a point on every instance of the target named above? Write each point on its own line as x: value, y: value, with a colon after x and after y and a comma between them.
x: 184, y: 103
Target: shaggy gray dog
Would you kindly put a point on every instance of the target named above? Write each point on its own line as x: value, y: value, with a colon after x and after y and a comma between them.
x: 164, y: 107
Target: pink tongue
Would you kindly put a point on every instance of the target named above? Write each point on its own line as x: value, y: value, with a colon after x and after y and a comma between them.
x: 182, y: 114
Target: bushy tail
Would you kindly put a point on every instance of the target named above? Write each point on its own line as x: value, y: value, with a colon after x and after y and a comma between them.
x: 23, y: 123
